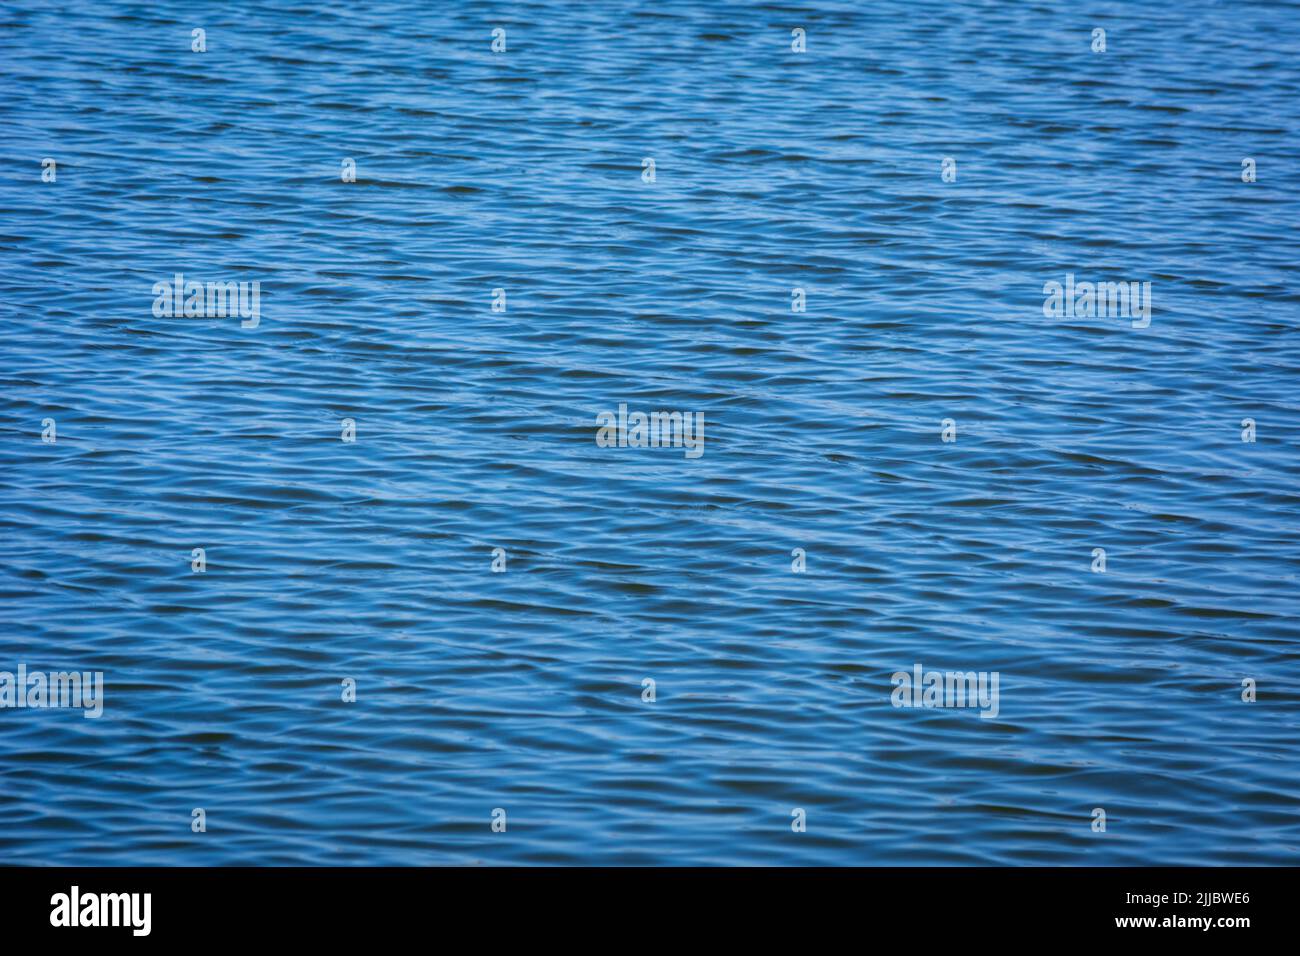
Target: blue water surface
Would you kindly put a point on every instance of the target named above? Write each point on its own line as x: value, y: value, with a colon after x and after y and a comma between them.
x: 522, y: 690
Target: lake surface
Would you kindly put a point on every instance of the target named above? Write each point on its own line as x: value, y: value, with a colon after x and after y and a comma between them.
x: 522, y: 690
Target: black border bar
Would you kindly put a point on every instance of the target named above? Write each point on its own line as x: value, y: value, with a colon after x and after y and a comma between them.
x: 958, y: 906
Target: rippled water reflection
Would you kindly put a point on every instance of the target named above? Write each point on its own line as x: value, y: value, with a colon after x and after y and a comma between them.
x: 475, y: 430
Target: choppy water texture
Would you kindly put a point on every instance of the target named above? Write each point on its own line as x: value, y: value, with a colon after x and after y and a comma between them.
x: 476, y: 430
